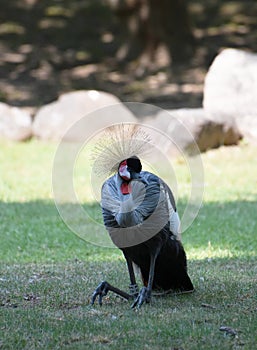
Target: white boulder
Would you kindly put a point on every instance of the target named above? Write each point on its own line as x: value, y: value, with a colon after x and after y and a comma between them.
x: 230, y: 90
x: 77, y: 114
x: 15, y: 123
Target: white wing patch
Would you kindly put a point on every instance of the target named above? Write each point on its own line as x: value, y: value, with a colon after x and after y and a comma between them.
x: 173, y: 215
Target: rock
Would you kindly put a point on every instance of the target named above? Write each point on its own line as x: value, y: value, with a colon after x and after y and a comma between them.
x: 230, y: 90
x: 248, y: 128
x: 77, y: 114
x: 191, y: 129
x: 15, y: 124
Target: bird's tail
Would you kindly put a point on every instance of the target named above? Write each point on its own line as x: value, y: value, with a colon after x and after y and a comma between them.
x: 171, y: 270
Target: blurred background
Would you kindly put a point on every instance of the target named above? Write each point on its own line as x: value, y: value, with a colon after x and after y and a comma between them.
x: 139, y: 50
x: 168, y: 54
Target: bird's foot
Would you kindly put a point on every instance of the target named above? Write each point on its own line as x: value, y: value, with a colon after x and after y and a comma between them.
x: 144, y: 296
x: 100, y: 292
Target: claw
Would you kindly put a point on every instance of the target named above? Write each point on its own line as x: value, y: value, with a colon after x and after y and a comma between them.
x: 143, y: 296
x: 100, y: 292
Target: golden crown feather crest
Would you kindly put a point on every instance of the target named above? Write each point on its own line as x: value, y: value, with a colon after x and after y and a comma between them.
x: 119, y: 142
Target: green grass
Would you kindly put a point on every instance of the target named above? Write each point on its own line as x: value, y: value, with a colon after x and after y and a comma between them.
x: 47, y: 273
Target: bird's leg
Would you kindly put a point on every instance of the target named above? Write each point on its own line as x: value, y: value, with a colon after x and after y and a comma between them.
x: 145, y: 293
x: 133, y: 287
x: 104, y: 288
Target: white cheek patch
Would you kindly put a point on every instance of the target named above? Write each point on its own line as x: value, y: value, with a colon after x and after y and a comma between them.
x: 124, y: 173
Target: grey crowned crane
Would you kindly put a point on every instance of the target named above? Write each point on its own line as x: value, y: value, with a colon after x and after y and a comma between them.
x: 140, y: 215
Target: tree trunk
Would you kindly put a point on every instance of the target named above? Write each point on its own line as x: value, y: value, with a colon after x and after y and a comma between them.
x: 154, y: 27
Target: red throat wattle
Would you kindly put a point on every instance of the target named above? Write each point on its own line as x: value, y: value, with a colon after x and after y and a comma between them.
x: 125, y: 188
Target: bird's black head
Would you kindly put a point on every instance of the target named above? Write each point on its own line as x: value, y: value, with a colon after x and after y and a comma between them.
x: 134, y: 164
x: 128, y: 168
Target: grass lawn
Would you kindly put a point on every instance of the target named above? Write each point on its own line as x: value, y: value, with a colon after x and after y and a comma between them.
x: 47, y: 274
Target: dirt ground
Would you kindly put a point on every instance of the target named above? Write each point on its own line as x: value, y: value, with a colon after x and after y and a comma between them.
x: 54, y: 46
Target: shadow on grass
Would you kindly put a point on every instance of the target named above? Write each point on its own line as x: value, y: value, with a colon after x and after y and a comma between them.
x: 222, y: 285
x: 34, y: 231
x: 43, y: 42
x: 42, y: 38
x: 47, y: 305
